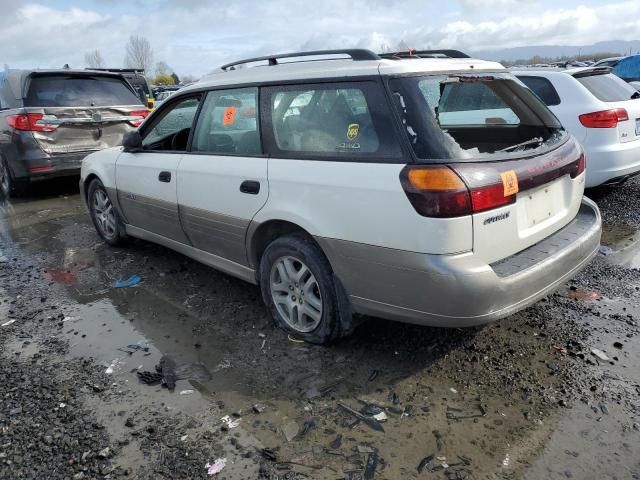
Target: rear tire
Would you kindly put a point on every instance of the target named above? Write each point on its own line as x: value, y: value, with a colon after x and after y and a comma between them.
x: 104, y: 215
x: 301, y: 292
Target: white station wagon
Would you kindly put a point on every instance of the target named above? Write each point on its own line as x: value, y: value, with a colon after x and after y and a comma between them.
x: 437, y: 191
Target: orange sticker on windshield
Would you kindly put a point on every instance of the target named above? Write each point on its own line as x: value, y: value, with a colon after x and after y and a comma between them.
x: 509, y: 182
x: 229, y: 116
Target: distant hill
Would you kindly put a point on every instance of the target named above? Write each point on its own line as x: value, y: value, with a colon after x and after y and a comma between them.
x: 519, y: 53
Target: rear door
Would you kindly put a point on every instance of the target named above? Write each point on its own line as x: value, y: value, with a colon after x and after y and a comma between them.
x: 222, y: 182
x: 146, y: 180
x: 79, y: 113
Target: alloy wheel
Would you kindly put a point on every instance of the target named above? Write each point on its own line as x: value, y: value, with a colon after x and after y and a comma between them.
x: 296, y: 294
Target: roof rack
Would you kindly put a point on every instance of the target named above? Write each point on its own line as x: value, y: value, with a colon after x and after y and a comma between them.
x: 411, y: 53
x: 356, y: 54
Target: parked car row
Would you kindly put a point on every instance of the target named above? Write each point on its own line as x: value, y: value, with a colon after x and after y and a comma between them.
x: 424, y: 187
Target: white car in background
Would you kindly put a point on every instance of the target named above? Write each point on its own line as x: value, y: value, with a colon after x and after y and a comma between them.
x: 601, y: 110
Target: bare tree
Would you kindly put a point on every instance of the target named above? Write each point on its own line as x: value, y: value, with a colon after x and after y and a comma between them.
x: 139, y: 54
x: 163, y: 69
x: 93, y: 59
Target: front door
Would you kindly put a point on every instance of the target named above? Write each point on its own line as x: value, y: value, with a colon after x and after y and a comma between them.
x: 147, y: 180
x: 222, y: 182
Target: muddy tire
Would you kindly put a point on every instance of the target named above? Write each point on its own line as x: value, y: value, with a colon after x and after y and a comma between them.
x: 104, y: 215
x: 9, y: 186
x: 301, y: 292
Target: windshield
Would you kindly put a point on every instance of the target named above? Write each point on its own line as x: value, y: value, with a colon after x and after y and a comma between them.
x: 467, y: 117
x: 608, y: 87
x: 79, y: 91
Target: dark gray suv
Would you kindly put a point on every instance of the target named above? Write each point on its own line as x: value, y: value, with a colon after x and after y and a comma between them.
x: 51, y: 119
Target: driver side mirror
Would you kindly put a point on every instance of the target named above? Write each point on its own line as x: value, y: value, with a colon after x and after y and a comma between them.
x: 132, y: 142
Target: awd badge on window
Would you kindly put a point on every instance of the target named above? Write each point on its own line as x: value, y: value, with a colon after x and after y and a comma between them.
x: 352, y: 131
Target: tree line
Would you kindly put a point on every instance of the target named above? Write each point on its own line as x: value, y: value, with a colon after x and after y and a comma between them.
x: 139, y: 55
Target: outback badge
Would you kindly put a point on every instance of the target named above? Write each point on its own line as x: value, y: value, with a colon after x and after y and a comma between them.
x: 352, y: 131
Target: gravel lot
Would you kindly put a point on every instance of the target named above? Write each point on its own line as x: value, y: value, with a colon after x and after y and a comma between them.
x: 552, y: 392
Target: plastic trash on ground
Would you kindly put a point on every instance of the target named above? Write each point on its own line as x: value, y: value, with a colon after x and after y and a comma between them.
x: 132, y: 281
x: 216, y: 467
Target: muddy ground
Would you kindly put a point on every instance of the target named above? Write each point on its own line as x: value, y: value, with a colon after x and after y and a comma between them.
x: 525, y: 397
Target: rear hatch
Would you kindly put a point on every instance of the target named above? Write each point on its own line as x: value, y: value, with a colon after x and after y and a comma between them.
x: 489, y: 149
x: 622, y: 99
x: 80, y: 112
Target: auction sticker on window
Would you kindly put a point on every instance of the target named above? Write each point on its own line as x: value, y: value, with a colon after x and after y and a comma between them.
x: 229, y: 116
x: 509, y: 182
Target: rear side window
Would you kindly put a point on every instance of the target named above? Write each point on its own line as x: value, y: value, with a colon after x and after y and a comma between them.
x: 608, y: 87
x: 79, y: 91
x: 347, y: 120
x: 228, y: 123
x: 543, y: 88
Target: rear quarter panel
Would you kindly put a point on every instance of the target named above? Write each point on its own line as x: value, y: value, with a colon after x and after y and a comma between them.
x: 357, y: 202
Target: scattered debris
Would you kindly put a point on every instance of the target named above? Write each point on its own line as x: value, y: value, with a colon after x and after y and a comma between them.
x: 229, y: 422
x: 150, y: 378
x: 132, y: 281
x: 216, y: 467
x: 294, y: 340
x: 186, y: 392
x: 579, y: 294
x: 110, y: 369
x: 381, y: 417
x: 6, y: 324
x: 167, y: 368
x: 290, y: 430
x: 269, y: 454
x: 507, y: 461
x: 453, y: 390
x: 424, y: 463
x: 600, y: 354
x: 371, y: 422
x: 372, y: 463
x: 373, y: 375
x: 617, y: 345
x: 259, y: 408
x: 336, y: 443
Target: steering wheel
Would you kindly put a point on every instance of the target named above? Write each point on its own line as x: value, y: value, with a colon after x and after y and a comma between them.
x: 180, y: 139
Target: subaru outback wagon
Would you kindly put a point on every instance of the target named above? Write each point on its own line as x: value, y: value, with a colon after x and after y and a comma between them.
x: 51, y: 119
x: 437, y: 191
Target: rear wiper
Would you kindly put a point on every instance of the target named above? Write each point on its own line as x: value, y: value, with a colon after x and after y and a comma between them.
x: 536, y: 141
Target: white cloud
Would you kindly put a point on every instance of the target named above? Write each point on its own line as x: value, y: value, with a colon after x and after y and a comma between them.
x: 195, y: 36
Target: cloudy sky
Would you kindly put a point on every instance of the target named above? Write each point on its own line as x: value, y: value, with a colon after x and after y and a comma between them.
x: 195, y: 36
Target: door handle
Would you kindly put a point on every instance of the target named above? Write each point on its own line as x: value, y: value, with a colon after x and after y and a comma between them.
x: 164, y: 177
x: 250, y: 186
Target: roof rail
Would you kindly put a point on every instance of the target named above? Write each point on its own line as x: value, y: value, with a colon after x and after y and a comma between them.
x: 356, y: 54
x: 411, y: 53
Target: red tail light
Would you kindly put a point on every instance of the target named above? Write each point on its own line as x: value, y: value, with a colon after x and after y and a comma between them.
x: 440, y: 192
x: 459, y: 189
x: 30, y: 122
x: 136, y: 122
x: 604, y: 118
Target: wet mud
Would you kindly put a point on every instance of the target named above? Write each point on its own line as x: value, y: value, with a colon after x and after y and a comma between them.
x: 525, y: 397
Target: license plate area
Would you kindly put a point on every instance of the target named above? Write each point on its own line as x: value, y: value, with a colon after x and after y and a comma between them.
x: 542, y: 204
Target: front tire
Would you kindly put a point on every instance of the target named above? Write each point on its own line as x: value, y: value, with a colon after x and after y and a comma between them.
x: 104, y: 215
x: 301, y: 292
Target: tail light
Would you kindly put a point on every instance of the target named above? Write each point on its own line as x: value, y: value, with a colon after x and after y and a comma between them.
x: 441, y: 192
x: 30, y: 122
x: 455, y: 190
x: 604, y: 118
x: 137, y: 117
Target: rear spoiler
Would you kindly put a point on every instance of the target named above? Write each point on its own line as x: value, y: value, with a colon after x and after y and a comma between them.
x: 590, y: 72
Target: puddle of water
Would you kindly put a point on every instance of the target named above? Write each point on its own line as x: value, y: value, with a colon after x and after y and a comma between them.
x: 621, y: 245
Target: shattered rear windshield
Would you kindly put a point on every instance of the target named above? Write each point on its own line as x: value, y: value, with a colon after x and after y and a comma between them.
x: 469, y: 117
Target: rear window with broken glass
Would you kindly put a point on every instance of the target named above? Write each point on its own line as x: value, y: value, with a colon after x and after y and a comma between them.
x: 469, y: 117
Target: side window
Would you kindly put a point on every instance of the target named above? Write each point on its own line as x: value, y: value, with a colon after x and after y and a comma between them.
x: 331, y: 120
x: 228, y: 123
x: 170, y: 130
x: 543, y: 88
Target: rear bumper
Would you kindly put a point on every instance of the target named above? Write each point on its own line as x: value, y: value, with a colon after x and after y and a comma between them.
x: 612, y: 162
x: 461, y: 290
